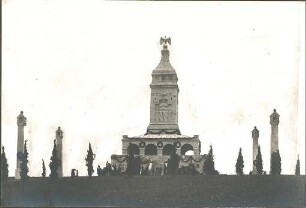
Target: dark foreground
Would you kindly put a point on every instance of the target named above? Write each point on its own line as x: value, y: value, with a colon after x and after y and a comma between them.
x: 158, y: 191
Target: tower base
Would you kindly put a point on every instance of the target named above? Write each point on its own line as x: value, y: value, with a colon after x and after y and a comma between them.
x: 17, y: 174
x: 163, y: 129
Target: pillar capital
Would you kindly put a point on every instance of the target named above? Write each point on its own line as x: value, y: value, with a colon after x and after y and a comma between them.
x: 255, y: 133
x: 21, y: 119
x: 274, y: 118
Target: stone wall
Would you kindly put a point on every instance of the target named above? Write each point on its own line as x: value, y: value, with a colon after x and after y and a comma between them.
x: 159, y: 161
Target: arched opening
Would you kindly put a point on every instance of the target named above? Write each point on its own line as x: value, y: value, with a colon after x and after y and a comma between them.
x: 168, y: 149
x: 151, y: 149
x: 133, y: 149
x: 186, y: 148
x: 189, y: 152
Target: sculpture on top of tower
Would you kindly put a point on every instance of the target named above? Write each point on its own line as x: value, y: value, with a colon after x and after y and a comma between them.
x: 274, y: 118
x: 255, y: 133
x: 165, y: 40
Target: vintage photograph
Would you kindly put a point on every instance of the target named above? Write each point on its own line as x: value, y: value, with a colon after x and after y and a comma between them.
x: 153, y: 104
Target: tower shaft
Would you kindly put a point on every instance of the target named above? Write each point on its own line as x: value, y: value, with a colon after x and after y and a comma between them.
x: 255, y: 153
x: 274, y: 138
x: 164, y: 97
x: 255, y: 136
x: 59, y: 146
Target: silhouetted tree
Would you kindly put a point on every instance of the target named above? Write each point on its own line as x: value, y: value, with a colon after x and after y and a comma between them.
x: 239, y: 164
x: 209, y: 164
x: 4, y: 166
x: 89, y: 161
x: 276, y: 163
x: 188, y: 170
x: 54, y: 163
x: 24, y: 163
x: 173, y: 163
x: 133, y: 165
x: 258, y: 162
x: 297, y: 167
x: 44, y: 169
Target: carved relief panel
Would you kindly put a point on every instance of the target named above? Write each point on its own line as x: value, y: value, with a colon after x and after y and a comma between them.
x: 164, y: 107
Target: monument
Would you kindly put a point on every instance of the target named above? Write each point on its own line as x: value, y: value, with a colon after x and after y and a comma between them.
x: 274, y: 121
x: 59, y: 145
x: 21, y: 123
x: 255, y: 136
x: 163, y: 135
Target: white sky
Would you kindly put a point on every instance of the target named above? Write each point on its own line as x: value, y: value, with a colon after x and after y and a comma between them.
x: 86, y: 66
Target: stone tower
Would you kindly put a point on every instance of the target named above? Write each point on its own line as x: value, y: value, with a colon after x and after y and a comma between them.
x: 274, y: 121
x: 164, y: 96
x: 255, y: 136
x: 162, y: 136
x: 59, y: 146
x: 21, y: 122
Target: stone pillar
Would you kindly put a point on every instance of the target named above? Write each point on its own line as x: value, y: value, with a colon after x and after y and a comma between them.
x: 196, y: 151
x: 59, y: 145
x: 159, y: 151
x: 21, y: 122
x: 125, y: 144
x: 274, y: 121
x: 141, y: 151
x: 197, y: 147
x: 255, y: 136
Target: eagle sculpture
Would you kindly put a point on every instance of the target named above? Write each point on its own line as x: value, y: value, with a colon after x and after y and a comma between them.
x: 165, y: 40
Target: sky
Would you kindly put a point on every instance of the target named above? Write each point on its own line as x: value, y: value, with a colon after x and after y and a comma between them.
x: 86, y: 66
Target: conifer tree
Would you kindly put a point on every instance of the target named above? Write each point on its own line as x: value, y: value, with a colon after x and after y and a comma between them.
x: 89, y: 161
x: 258, y: 162
x: 4, y: 166
x: 276, y: 165
x: 133, y: 165
x: 44, y: 169
x: 54, y: 163
x: 173, y: 163
x: 297, y: 167
x: 24, y: 163
x: 239, y: 164
x: 209, y: 164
